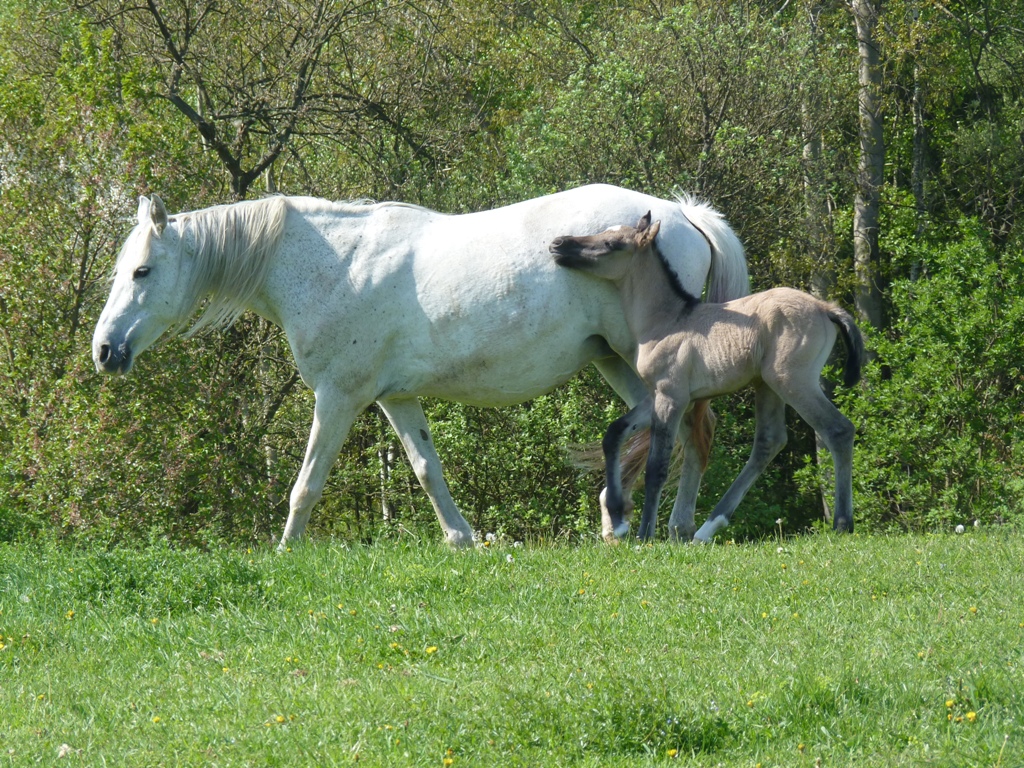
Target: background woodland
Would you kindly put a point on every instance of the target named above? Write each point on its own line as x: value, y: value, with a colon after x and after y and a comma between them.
x: 871, y: 153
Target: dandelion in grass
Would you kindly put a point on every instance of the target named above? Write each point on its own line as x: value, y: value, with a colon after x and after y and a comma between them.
x: 672, y: 752
x: 431, y: 649
x: 971, y: 717
x: 156, y: 718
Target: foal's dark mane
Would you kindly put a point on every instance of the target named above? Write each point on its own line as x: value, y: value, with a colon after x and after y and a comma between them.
x: 689, y: 300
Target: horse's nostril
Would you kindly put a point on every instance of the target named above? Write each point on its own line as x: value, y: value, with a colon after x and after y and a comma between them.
x: 104, y: 353
x: 557, y: 242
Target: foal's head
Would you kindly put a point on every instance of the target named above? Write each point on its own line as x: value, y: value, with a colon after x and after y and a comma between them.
x: 621, y: 251
x: 608, y: 254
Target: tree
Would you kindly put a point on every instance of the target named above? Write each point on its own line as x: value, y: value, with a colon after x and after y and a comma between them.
x: 870, y: 167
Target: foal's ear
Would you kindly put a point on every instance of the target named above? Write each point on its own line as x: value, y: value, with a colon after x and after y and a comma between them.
x: 646, y: 236
x: 644, y: 223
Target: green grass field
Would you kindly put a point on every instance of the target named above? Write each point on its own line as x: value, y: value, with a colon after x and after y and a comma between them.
x: 866, y: 651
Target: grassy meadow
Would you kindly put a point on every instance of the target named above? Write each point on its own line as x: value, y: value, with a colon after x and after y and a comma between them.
x: 819, y: 650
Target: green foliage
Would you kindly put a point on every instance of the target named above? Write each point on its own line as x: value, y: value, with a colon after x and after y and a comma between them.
x: 464, y: 106
x: 849, y: 651
x: 940, y: 430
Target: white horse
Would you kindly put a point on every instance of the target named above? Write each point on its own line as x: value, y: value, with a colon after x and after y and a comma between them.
x: 391, y: 302
x: 776, y: 341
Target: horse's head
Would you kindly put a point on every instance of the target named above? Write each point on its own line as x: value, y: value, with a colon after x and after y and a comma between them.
x: 607, y: 254
x: 146, y: 292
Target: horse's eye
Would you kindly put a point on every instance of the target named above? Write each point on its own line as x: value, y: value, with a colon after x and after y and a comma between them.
x: 140, y: 272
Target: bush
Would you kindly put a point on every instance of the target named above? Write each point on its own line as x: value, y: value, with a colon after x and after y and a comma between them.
x: 939, y: 417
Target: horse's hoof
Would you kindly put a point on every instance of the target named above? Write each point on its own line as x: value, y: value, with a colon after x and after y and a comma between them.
x: 621, y: 530
x: 684, y: 535
x: 459, y: 539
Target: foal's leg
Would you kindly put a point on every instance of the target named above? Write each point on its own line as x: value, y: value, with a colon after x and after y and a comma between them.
x: 631, y: 388
x: 664, y: 427
x: 837, y: 432
x: 406, y: 416
x: 698, y: 420
x: 332, y: 419
x: 769, y: 439
x: 613, y: 497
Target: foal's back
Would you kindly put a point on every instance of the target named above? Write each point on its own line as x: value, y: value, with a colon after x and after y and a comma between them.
x: 777, y: 336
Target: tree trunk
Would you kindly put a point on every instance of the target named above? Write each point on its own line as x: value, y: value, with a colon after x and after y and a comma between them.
x: 919, y: 168
x: 870, y: 168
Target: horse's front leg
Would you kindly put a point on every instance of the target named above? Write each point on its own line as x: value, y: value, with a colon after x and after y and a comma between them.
x: 665, y: 420
x: 407, y: 418
x: 614, y: 499
x: 695, y: 434
x: 332, y: 419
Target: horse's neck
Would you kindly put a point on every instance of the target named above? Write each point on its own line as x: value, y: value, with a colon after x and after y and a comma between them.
x: 652, y: 309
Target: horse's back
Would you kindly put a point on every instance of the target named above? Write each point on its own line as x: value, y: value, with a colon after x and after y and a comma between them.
x: 469, y: 307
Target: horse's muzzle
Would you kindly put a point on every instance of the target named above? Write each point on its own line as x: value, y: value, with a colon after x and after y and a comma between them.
x: 113, y: 360
x: 564, y: 250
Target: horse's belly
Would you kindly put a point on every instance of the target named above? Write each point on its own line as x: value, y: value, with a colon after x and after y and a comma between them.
x: 501, y: 374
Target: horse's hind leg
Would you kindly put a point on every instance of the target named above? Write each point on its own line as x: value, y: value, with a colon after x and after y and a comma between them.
x: 407, y: 418
x: 837, y: 432
x: 332, y: 418
x: 613, y: 497
x: 769, y: 439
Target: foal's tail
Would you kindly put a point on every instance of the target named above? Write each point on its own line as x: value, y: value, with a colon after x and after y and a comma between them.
x: 854, y: 341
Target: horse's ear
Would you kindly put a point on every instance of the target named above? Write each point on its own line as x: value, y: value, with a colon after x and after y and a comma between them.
x: 646, y: 237
x: 143, y: 214
x: 644, y: 223
x: 158, y: 214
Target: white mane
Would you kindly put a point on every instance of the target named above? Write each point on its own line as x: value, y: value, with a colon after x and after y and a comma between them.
x: 232, y: 246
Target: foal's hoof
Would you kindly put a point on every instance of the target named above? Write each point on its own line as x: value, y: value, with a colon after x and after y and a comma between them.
x: 680, y: 534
